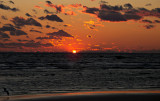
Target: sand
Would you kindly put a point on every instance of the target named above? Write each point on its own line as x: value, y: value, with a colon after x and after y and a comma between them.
x: 90, y: 96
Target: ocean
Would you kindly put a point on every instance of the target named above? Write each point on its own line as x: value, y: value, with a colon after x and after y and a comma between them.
x: 41, y: 73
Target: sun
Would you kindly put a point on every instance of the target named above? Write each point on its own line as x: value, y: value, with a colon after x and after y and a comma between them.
x: 74, y: 51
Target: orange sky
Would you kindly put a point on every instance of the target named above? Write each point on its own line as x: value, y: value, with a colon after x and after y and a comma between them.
x: 82, y: 25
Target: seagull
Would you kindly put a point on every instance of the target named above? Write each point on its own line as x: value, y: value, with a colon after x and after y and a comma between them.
x: 5, y: 90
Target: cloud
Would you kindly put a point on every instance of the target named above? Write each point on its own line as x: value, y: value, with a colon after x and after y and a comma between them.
x: 38, y: 7
x: 67, y: 10
x: 22, y: 40
x: 109, y: 7
x: 149, y: 26
x: 67, y: 25
x: 157, y: 21
x: 60, y: 33
x: 17, y: 33
x: 49, y: 37
x: 148, y: 4
x: 34, y: 11
x: 70, y: 13
x: 51, y: 18
x: 147, y: 21
x: 48, y: 12
x: 90, y: 10
x: 27, y: 14
x: 19, y: 21
x: 3, y: 35
x: 6, y: 40
x: 4, y: 18
x: 156, y: 10
x: 35, y: 31
x: 111, y: 16
x: 75, y: 5
x: 11, y: 2
x: 58, y: 8
x: 48, y: 26
x: 130, y: 16
x: 4, y: 7
x: 128, y: 6
x: 120, y: 13
x: 102, y: 2
x: 27, y: 44
x: 7, y: 27
x: 49, y: 2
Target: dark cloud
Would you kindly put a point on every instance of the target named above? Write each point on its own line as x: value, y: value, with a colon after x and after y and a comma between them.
x: 111, y: 16
x: 52, y: 18
x: 148, y: 4
x: 130, y: 16
x: 157, y: 21
x: 49, y: 2
x: 66, y: 25
x: 22, y: 40
x: 128, y: 6
x: 3, y: 35
x: 91, y: 10
x: 89, y: 36
x: 120, y: 13
x: 17, y: 33
x: 103, y: 2
x: 11, y: 2
x: 142, y: 9
x: 7, y: 27
x: 6, y: 40
x: 60, y: 33
x: 156, y: 10
x: 107, y: 12
x: 147, y: 21
x: 27, y: 14
x: 34, y: 11
x: 48, y: 12
x: 4, y: 7
x: 53, y: 28
x: 27, y: 44
x: 58, y: 8
x: 149, y: 26
x: 19, y: 21
x: 4, y: 18
x: 48, y: 26
x: 109, y: 7
x: 49, y: 37
x: 35, y: 31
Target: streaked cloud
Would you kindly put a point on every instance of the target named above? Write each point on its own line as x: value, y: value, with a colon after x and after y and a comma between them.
x: 51, y: 18
x: 17, y: 33
x: 5, y: 7
x: 26, y: 44
x: 4, y: 35
x: 60, y: 33
x: 20, y: 21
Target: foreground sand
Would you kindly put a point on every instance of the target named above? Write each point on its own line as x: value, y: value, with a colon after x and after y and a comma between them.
x: 90, y: 96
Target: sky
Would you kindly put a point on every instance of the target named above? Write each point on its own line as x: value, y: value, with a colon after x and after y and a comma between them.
x: 81, y: 25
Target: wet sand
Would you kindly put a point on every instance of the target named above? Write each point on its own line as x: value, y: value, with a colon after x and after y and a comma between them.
x: 90, y: 96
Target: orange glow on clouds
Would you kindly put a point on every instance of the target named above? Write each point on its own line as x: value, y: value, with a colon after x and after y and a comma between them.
x: 38, y: 7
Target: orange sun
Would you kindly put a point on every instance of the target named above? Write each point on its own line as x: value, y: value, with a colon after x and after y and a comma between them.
x: 74, y: 51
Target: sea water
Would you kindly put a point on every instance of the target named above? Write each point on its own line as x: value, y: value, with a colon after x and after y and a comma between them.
x: 39, y: 73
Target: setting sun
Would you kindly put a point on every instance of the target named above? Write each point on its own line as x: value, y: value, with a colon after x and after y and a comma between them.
x: 74, y: 51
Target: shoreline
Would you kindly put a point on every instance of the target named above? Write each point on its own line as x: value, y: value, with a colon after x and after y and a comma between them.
x: 134, y: 95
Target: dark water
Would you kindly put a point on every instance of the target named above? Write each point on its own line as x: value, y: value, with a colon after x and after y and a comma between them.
x: 34, y: 73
